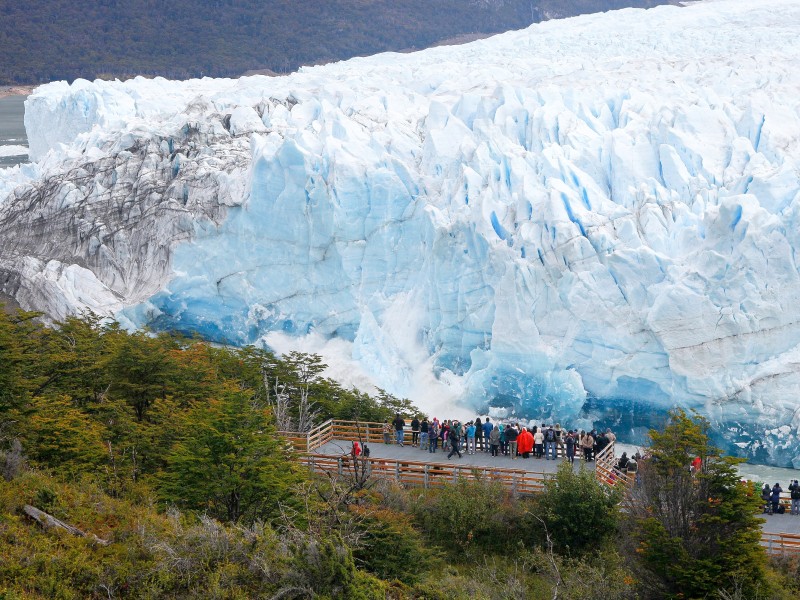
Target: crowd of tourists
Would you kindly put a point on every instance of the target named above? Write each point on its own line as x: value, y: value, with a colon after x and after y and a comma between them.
x: 502, y: 439
x: 772, y: 498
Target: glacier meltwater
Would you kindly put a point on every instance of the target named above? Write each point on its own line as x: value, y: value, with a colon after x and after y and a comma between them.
x: 592, y: 220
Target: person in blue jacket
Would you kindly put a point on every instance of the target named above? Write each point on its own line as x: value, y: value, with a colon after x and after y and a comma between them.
x: 487, y: 431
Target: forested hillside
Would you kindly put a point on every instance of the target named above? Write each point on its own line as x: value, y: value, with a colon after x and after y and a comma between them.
x: 58, y: 39
x: 143, y: 466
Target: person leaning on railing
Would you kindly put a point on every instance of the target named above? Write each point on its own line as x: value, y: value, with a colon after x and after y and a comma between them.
x: 414, y: 431
x: 424, y: 428
x: 511, y: 433
x: 387, y: 432
x: 794, y: 493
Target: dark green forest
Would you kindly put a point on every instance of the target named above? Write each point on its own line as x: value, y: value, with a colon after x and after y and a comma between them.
x: 141, y: 465
x: 47, y: 40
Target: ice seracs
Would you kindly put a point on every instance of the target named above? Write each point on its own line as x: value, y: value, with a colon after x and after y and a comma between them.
x: 594, y: 218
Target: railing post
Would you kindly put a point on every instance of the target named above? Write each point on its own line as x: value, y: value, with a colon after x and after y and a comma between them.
x: 514, y: 484
x: 340, y: 465
x: 426, y: 483
x: 455, y: 474
x: 397, y: 471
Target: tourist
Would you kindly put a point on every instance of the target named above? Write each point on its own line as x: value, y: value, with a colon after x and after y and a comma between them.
x: 487, y: 430
x: 525, y: 443
x: 470, y: 438
x: 433, y: 437
x: 550, y: 443
x: 601, y: 443
x: 503, y: 442
x: 611, y: 437
x: 399, y: 425
x: 424, y: 428
x: 414, y: 431
x: 387, y: 431
x: 538, y: 442
x: 560, y: 435
x: 460, y: 432
x: 494, y: 439
x: 445, y: 435
x: 587, y: 443
x: 766, y: 494
x: 511, y: 440
x: 622, y: 463
x: 478, y: 434
x: 794, y: 491
x: 775, y: 497
x: 453, y: 438
x: 632, y: 469
x: 569, y: 443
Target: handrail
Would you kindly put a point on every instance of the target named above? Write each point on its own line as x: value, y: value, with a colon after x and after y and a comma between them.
x: 372, y: 432
x: 781, y: 543
x: 518, y: 481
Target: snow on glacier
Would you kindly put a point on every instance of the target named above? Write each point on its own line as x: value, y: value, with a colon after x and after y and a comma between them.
x: 593, y: 219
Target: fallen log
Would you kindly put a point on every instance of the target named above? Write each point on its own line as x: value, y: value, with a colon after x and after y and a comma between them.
x: 49, y: 521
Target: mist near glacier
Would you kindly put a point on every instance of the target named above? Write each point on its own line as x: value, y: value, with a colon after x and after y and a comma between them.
x: 589, y: 221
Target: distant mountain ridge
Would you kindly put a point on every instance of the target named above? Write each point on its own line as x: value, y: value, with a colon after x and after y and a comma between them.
x: 58, y: 39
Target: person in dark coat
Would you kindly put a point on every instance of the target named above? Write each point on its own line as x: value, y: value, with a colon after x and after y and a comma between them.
x: 453, y: 436
x: 775, y: 497
x: 478, y: 434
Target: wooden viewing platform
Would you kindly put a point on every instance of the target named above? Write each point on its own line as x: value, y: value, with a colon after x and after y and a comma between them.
x: 327, y: 449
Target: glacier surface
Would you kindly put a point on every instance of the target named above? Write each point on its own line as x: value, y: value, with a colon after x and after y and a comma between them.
x: 593, y: 219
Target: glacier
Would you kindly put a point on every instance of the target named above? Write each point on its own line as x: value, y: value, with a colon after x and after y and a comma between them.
x: 592, y: 220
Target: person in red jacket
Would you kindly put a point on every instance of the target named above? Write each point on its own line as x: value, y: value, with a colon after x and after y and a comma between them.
x: 525, y: 442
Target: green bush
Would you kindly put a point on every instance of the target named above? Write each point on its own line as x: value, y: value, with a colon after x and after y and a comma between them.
x: 576, y: 511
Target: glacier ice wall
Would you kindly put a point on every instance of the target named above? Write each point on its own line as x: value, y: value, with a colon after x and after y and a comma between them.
x: 593, y: 219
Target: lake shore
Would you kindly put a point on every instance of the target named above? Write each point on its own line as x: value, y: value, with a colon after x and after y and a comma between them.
x: 15, y: 90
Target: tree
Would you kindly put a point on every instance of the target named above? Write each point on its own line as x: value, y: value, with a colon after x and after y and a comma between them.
x: 19, y: 357
x: 230, y: 463
x: 579, y: 513
x: 696, y: 531
x: 140, y: 368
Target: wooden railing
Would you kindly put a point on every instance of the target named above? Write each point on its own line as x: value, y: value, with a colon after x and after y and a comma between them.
x: 781, y: 543
x: 606, y: 471
x: 311, y: 441
x: 427, y: 474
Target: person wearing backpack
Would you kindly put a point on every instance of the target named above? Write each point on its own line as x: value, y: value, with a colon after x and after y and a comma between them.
x: 414, y: 431
x: 550, y: 443
x: 511, y: 440
x: 424, y: 428
x: 538, y: 443
x: 794, y: 490
x: 433, y: 437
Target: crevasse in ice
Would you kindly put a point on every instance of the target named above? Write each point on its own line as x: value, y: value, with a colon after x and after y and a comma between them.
x: 591, y: 220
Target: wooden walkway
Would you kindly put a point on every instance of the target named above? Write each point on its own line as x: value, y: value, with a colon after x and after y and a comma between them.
x: 328, y: 448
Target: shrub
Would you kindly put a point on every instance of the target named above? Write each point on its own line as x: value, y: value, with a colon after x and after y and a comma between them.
x: 576, y: 511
